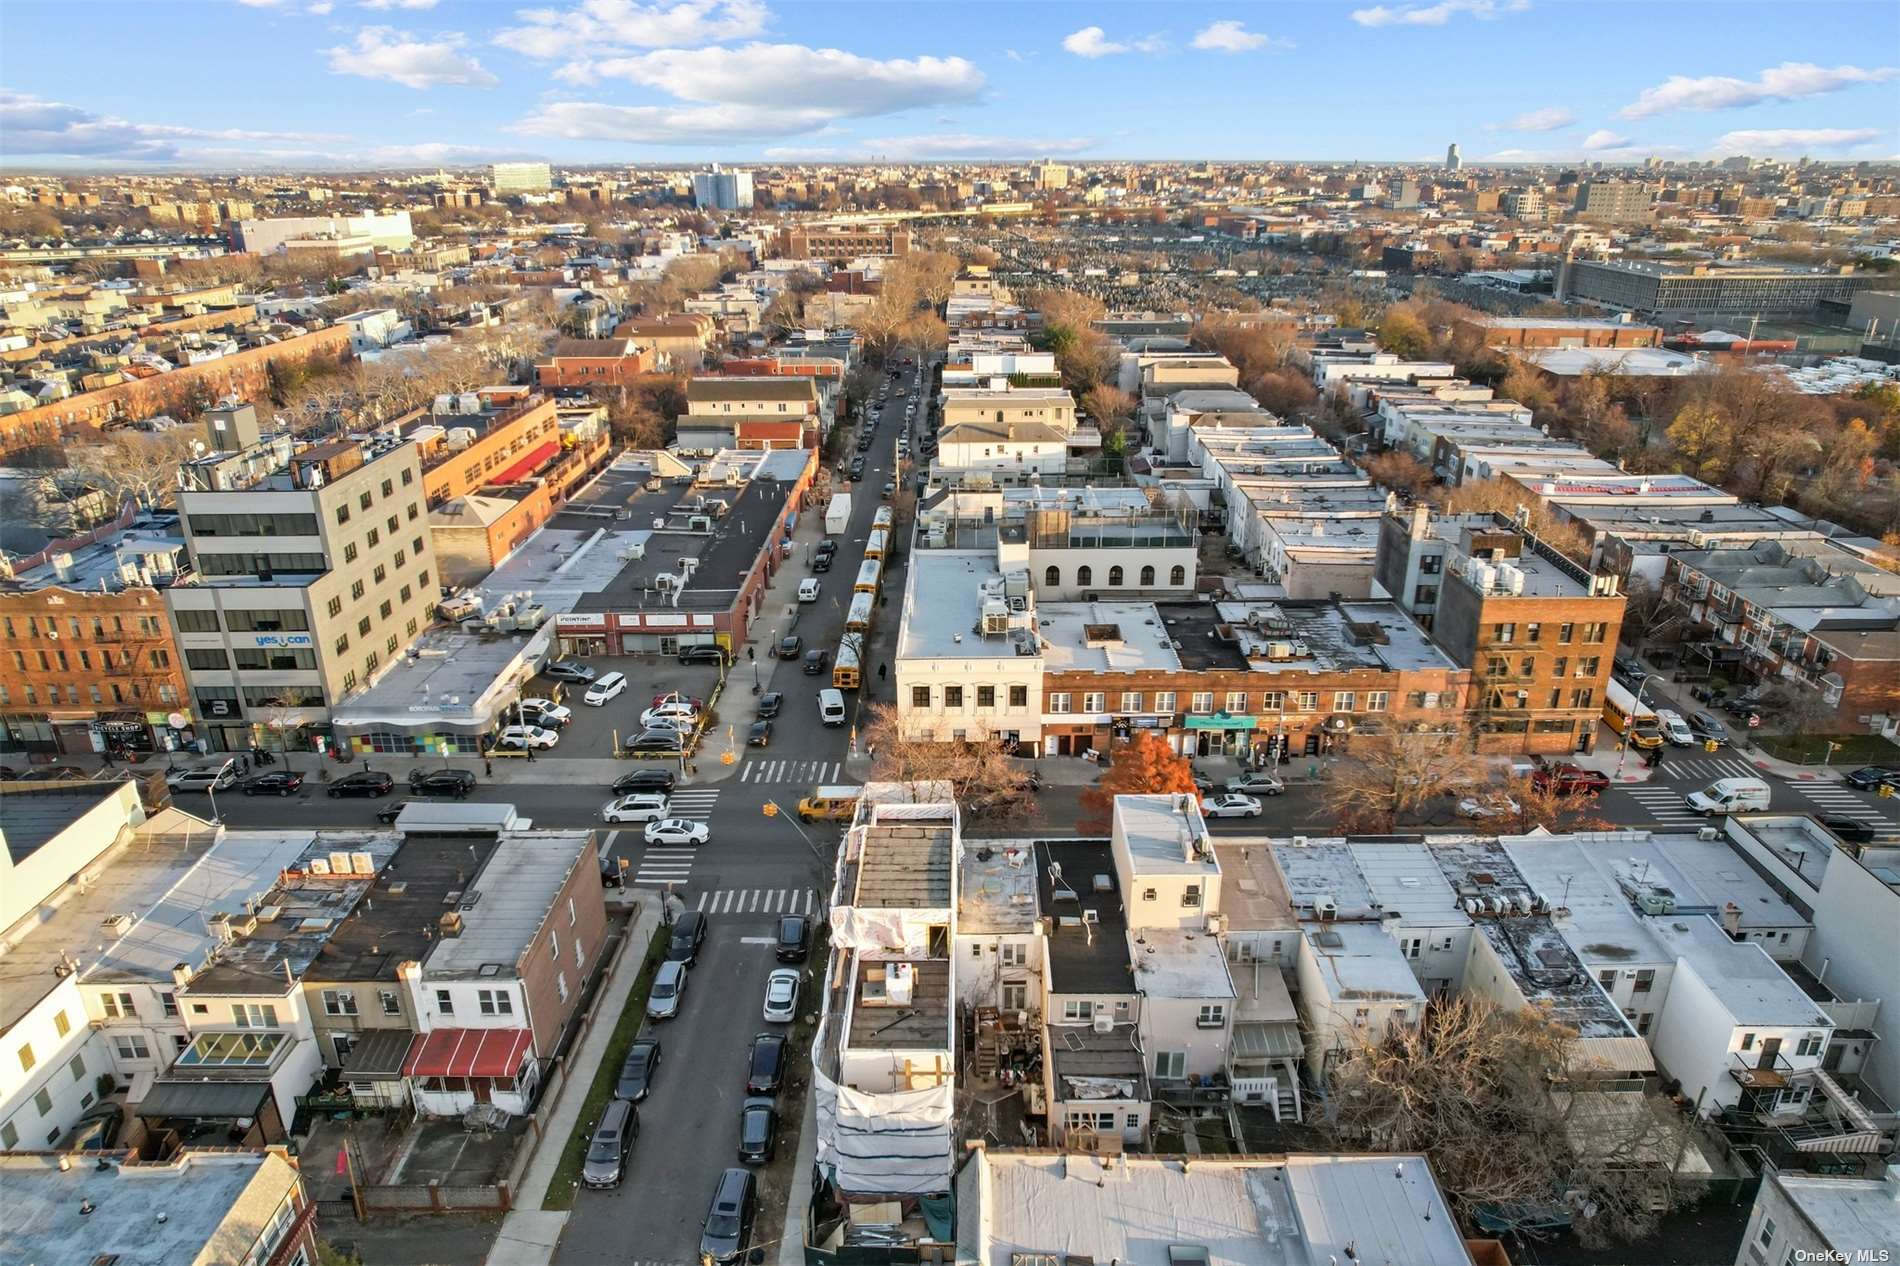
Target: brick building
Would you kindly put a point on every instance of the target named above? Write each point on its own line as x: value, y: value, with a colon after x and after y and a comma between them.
x: 1536, y: 331
x: 673, y: 342
x: 591, y: 362
x: 844, y: 241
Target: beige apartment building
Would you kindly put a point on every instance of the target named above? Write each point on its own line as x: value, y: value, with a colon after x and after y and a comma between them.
x: 313, y: 570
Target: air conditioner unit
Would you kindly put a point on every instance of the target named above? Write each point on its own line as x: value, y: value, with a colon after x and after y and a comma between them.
x: 1103, y: 1022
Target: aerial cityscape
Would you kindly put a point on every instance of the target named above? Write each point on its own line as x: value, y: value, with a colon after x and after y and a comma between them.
x: 695, y: 632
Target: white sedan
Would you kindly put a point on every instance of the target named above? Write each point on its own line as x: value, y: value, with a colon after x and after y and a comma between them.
x: 677, y: 832
x: 1230, y: 806
x: 519, y: 736
x: 781, y: 996
x: 1487, y: 807
x: 677, y: 716
x: 546, y: 712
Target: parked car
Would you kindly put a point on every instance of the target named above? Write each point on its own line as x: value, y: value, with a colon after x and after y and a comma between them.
x: 48, y: 773
x: 204, y: 778
x: 454, y: 783
x: 1870, y: 777
x: 809, y: 589
x: 781, y: 995
x: 97, y: 1129
x: 826, y: 548
x: 1569, y: 780
x: 279, y: 782
x: 525, y: 737
x: 543, y: 712
x: 604, y: 691
x: 790, y: 646
x: 644, y: 806
x: 758, y: 1130
x: 1488, y: 806
x: 637, y: 1070
x: 794, y: 939
x: 669, y: 987
x: 677, y: 833
x: 613, y: 1139
x: 393, y: 810
x: 1708, y: 728
x: 1852, y: 830
x: 689, y: 933
x: 568, y: 670
x: 759, y: 734
x: 890, y: 487
x: 649, y: 742
x: 364, y: 782
x: 1230, y: 806
x: 726, y: 1233
x: 817, y: 660
x: 1256, y: 783
x: 666, y: 697
x: 820, y: 562
x: 660, y: 780
x: 769, y: 704
x: 704, y: 653
x: 1645, y: 735
x: 765, y: 1066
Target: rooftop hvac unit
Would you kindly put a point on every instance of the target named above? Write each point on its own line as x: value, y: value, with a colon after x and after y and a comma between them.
x: 1656, y: 903
x: 362, y: 863
x: 116, y: 924
x: 319, y: 866
x: 995, y: 618
x: 340, y: 864
x: 1279, y: 650
x: 1708, y: 833
x: 1104, y: 1022
x: 1326, y: 908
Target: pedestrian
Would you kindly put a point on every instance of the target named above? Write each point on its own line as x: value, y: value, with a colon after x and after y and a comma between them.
x: 488, y: 765
x: 882, y: 671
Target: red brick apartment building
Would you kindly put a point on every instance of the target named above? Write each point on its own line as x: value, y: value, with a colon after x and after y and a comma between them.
x: 591, y: 362
x: 1534, y: 332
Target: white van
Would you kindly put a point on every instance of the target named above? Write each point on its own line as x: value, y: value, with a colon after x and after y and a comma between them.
x: 1730, y: 795
x: 1674, y: 728
x: 831, y: 707
x: 808, y: 589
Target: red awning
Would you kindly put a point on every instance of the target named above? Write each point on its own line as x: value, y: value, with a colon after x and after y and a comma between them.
x: 532, y: 461
x: 468, y: 1053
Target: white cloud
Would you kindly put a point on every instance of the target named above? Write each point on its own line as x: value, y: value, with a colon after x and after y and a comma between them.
x: 1790, y: 81
x: 968, y: 145
x: 1230, y: 36
x: 1603, y: 138
x: 1435, y: 14
x: 793, y: 77
x: 1790, y: 139
x: 398, y: 4
x: 603, y: 27
x: 1093, y: 42
x: 321, y: 8
x: 414, y: 61
x: 34, y: 125
x: 1548, y: 119
x: 667, y: 125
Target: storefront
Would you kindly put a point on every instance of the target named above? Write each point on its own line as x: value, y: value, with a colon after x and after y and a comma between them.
x: 578, y: 636
x: 1222, y: 734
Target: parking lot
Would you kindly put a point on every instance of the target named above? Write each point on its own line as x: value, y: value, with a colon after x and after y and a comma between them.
x: 594, y: 729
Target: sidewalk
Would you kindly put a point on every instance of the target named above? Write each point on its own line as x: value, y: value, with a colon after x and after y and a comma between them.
x: 791, y: 1243
x: 528, y: 1235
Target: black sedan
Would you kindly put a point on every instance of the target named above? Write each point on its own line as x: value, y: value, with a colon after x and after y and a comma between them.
x: 1852, y: 830
x: 393, y: 810
x: 364, y: 782
x: 1870, y: 777
x: 758, y: 1130
x: 789, y: 647
x: 279, y: 782
x: 759, y: 734
x: 636, y: 1071
x: 816, y: 661
x: 769, y: 704
x: 766, y: 1067
x: 660, y: 780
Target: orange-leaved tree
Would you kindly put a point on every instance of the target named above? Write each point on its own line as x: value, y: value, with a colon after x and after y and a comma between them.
x: 1142, y: 766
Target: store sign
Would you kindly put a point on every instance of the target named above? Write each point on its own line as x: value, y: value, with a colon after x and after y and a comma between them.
x: 1222, y: 721
x: 595, y: 622
x: 284, y: 639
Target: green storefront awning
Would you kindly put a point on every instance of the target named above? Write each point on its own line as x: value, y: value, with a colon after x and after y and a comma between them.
x: 1221, y: 721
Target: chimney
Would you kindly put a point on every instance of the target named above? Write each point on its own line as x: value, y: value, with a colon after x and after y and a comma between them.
x: 1732, y: 920
x: 181, y: 975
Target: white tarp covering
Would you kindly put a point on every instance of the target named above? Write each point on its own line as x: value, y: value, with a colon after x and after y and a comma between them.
x: 1099, y: 1088
x: 899, y: 932
x: 885, y: 1144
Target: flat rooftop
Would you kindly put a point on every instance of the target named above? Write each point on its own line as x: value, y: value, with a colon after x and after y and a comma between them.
x: 398, y: 923
x: 1179, y: 964
x: 1360, y: 962
x: 508, y: 901
x: 922, y: 1023
x: 1405, y: 877
x: 724, y: 555
x: 1165, y: 835
x: 199, y: 1206
x: 1850, y: 1213
x: 996, y: 890
x: 904, y: 865
x: 1602, y: 927
x: 153, y: 541
x: 1323, y: 870
x: 1075, y: 880
x: 1104, y: 637
x: 1078, y: 1053
x: 1253, y: 896
x: 1292, y: 637
x: 946, y: 626
x: 33, y: 815
x: 1753, y: 988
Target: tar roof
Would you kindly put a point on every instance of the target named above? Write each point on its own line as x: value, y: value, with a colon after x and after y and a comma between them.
x: 1079, y: 1052
x: 398, y: 923
x: 904, y: 865
x: 32, y: 816
x: 923, y: 1023
x: 1076, y: 878
x: 996, y: 890
x: 506, y: 904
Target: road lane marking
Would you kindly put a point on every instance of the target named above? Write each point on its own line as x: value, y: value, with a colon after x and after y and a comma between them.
x: 758, y: 940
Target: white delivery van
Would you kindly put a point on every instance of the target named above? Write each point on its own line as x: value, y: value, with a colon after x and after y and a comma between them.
x: 1674, y: 728
x: 1730, y: 795
x: 831, y: 706
x: 808, y: 589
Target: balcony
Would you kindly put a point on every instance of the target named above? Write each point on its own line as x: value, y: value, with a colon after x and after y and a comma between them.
x: 1197, y: 1090
x: 1758, y: 1070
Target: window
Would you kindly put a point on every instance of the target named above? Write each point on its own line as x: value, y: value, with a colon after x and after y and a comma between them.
x: 1213, y: 1015
x: 1748, y: 1041
x: 920, y: 696
x: 356, y: 591
x: 365, y: 501
x: 1607, y: 979
x: 573, y: 915
x: 339, y: 1002
x: 1085, y: 576
x: 1497, y: 666
x: 1164, y: 701
x: 1532, y: 632
x: 444, y: 1002
x: 349, y: 552
x: 392, y: 1005
x: 342, y: 643
x: 1560, y: 667
x: 44, y: 1102
x: 380, y: 574
x: 1080, y: 1010
x: 1115, y: 575
x: 62, y: 1026
x: 335, y: 607
x: 130, y: 1046
x: 986, y: 696
x: 560, y: 985
x: 1171, y: 1065
x: 9, y: 1137
x: 342, y: 515
x: 1809, y: 1045
x: 1019, y: 696
x: 1131, y: 701
x: 1767, y: 1236
x: 254, y: 1015
x: 1587, y: 665
x: 1094, y: 701
x: 1178, y: 575
x: 1565, y: 632
x: 1595, y: 633
x: 77, y: 1067
x: 1236, y: 701
x: 1052, y: 577
x: 1309, y: 700
x: 118, y: 1006
x: 1503, y: 634
x: 1425, y: 595
x: 1343, y: 700
x: 554, y: 946
x: 196, y: 621
x: 1191, y: 895
x: 1201, y: 701
x: 385, y: 609
x: 1583, y: 698
x: 1377, y: 700
x: 953, y: 696
x: 27, y: 1057
x: 1013, y: 953
x: 495, y: 1002
x: 168, y: 1003
x: 1645, y: 980
x: 1059, y: 702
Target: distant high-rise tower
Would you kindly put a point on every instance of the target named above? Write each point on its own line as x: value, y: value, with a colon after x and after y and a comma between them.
x: 521, y: 177
x: 1454, y: 161
x: 723, y: 190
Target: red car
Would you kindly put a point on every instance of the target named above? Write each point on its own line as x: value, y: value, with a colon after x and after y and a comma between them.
x: 1569, y: 780
x: 674, y: 696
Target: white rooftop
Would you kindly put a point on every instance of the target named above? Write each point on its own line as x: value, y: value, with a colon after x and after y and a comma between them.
x: 1851, y: 1214
x: 1360, y: 961
x: 1751, y: 985
x: 1074, y: 640
x: 518, y: 885
x: 1164, y: 835
x: 1178, y: 964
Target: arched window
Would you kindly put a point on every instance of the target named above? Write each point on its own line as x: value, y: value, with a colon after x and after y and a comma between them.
x: 1147, y: 577
x: 1053, y: 578
x: 1115, y: 576
x: 1085, y: 576
x: 1178, y: 576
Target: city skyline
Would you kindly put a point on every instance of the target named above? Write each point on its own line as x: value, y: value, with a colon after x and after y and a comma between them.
x: 422, y: 83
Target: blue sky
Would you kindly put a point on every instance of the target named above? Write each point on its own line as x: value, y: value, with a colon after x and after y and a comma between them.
x: 299, y: 83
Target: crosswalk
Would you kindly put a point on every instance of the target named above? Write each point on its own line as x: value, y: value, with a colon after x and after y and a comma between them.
x: 1666, y: 806
x: 1712, y: 767
x: 1848, y: 803
x: 691, y: 803
x: 811, y: 772
x: 662, y: 866
x: 757, y: 901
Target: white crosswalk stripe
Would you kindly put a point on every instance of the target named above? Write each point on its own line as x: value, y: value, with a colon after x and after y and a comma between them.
x: 809, y: 772
x: 1664, y: 804
x: 1847, y: 803
x: 697, y: 805
x: 665, y: 865
x: 758, y: 901
x: 1712, y: 767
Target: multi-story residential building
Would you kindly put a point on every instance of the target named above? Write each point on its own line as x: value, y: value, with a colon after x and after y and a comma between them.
x: 753, y: 412
x: 312, y: 571
x: 1540, y: 331
x: 675, y: 343
x: 580, y: 363
x: 968, y: 663
x: 1654, y: 289
x: 1817, y: 1218
x: 1613, y: 201
x: 844, y: 241
x: 265, y: 237
x: 718, y: 190
x: 520, y: 177
x: 1525, y: 204
x: 1050, y: 406
x: 194, y: 1208
x: 999, y: 453
x: 1116, y: 542
x: 87, y: 658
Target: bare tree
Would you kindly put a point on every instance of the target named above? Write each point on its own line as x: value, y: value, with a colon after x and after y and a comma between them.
x: 1513, y: 1117
x: 127, y: 464
x: 977, y: 768
x: 1389, y: 778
